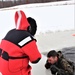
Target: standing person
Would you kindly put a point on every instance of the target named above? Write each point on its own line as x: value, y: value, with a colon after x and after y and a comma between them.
x: 58, y: 64
x: 18, y: 47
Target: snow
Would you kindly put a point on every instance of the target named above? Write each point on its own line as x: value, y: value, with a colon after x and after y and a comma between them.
x: 55, y: 22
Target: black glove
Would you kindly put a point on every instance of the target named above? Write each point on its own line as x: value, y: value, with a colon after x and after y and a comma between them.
x: 54, y: 69
x: 47, y: 65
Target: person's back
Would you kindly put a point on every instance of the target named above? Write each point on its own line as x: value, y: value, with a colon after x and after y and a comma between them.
x: 62, y: 56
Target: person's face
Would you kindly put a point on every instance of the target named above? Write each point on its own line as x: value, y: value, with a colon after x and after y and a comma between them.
x: 52, y: 60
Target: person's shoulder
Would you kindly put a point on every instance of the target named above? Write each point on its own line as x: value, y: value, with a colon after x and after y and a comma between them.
x: 63, y: 60
x: 11, y: 30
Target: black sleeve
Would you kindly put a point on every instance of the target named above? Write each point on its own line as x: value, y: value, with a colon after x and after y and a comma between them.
x: 47, y: 65
x: 34, y: 62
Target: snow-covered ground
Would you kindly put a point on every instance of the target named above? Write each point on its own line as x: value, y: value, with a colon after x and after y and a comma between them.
x: 55, y: 21
x: 56, y: 25
x: 55, y: 40
x: 53, y: 16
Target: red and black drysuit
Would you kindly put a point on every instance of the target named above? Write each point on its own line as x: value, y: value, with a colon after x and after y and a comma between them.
x: 17, y: 48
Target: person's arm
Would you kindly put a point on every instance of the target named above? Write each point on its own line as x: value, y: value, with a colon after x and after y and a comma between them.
x: 67, y: 67
x: 32, y: 51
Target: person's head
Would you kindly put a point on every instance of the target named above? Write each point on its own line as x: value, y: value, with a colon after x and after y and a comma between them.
x: 21, y: 21
x: 24, y: 23
x: 33, y: 26
x: 52, y: 56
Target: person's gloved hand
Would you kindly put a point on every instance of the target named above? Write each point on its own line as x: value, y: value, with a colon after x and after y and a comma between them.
x: 54, y: 69
x: 47, y: 65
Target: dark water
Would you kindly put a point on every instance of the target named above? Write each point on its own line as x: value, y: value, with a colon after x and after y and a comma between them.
x: 69, y: 53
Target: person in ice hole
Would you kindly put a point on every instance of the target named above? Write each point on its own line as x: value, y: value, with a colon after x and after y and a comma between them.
x: 58, y: 64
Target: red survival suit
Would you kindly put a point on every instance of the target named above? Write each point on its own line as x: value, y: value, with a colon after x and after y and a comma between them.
x: 17, y: 48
